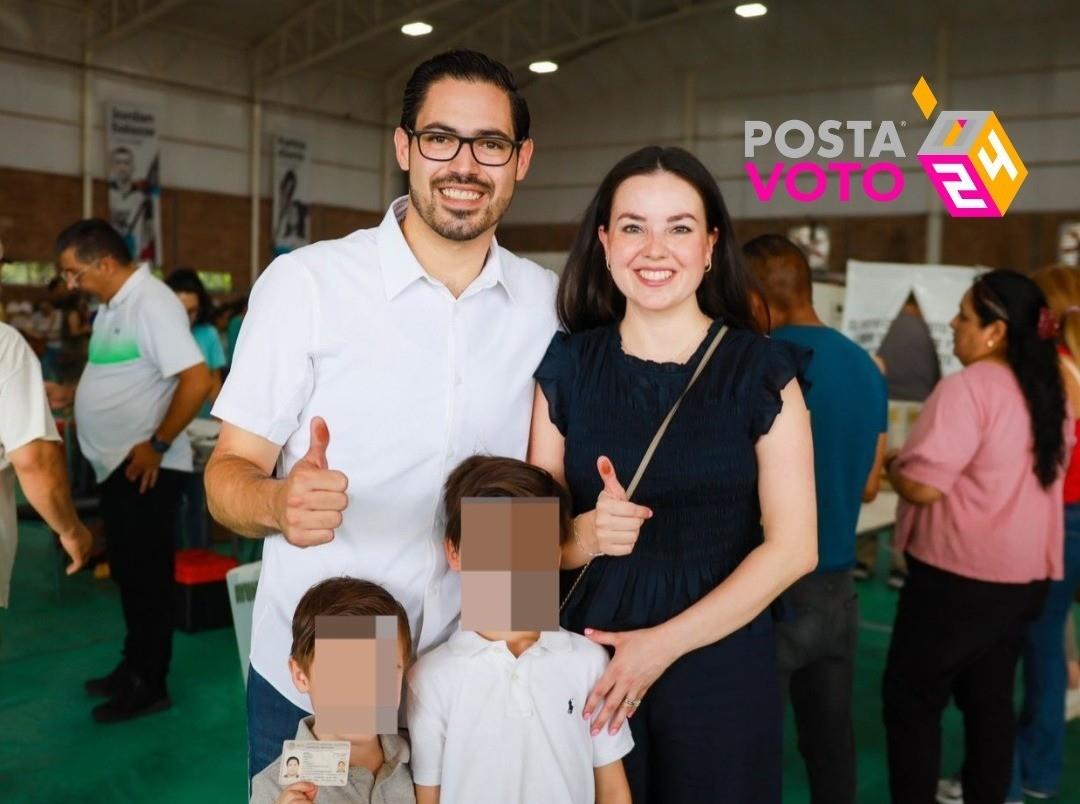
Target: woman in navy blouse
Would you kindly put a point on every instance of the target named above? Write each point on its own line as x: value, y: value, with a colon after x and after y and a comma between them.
x: 682, y: 578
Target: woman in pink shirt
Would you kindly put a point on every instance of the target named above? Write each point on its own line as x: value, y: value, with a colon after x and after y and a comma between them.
x: 981, y: 522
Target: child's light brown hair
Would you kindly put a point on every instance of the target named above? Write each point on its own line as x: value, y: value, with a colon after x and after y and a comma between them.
x: 486, y: 476
x: 343, y: 596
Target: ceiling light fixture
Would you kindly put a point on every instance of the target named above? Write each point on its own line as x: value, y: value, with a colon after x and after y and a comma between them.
x: 747, y: 10
x: 416, y: 29
x: 543, y: 67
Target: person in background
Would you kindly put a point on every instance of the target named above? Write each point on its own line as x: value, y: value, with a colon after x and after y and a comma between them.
x: 194, y: 531
x: 909, y: 359
x: 144, y: 383
x: 1040, y: 736
x: 189, y: 288
x: 30, y: 450
x: 48, y: 325
x: 76, y: 328
x: 232, y: 329
x: 981, y: 481
x: 848, y: 402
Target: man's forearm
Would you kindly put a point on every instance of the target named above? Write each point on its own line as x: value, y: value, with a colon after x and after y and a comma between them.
x: 190, y: 393
x: 42, y: 473
x: 242, y: 498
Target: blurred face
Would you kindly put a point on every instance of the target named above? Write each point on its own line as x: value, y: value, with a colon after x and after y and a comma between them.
x: 191, y: 304
x: 292, y: 767
x: 122, y: 167
x: 971, y: 340
x: 657, y: 241
x: 461, y: 199
x: 359, y: 688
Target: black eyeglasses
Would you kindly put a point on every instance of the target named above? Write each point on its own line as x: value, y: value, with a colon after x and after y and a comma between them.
x: 439, y: 146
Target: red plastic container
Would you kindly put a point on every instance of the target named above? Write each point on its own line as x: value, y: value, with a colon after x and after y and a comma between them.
x: 202, y: 601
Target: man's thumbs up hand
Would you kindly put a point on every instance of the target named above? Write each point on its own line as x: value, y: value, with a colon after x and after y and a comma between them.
x: 311, y: 503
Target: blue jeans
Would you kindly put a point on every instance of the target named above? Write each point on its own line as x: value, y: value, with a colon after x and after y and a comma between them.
x: 271, y: 719
x: 1040, y: 735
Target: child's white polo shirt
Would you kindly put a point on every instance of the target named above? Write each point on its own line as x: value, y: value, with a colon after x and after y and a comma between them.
x: 486, y: 726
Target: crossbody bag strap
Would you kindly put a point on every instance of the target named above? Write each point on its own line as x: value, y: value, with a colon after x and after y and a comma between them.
x: 656, y: 441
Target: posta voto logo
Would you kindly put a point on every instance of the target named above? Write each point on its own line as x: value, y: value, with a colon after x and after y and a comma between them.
x: 967, y: 156
x: 969, y: 159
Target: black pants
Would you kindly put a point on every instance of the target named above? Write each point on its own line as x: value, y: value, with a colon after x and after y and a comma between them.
x: 711, y: 728
x: 139, y: 531
x: 954, y: 637
x: 816, y: 649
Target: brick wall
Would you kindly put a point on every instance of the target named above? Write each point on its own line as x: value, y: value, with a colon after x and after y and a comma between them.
x: 206, y: 231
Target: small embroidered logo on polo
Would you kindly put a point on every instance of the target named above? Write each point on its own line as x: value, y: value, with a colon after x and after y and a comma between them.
x: 570, y: 707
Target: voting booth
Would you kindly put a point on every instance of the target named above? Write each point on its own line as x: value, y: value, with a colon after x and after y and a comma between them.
x: 877, y: 290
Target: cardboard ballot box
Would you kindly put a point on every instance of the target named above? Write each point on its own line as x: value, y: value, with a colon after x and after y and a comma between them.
x: 202, y: 602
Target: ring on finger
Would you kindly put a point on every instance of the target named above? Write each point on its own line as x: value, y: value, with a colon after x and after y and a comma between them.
x: 632, y: 703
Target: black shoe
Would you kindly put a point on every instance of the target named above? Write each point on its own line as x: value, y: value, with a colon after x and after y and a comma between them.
x: 137, y: 699
x: 862, y: 571
x: 897, y: 579
x: 110, y: 685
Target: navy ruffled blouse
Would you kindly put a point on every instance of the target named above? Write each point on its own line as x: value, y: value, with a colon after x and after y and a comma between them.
x: 702, y: 482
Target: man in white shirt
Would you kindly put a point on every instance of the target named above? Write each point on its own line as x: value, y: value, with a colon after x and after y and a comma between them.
x: 369, y: 366
x: 30, y: 449
x: 143, y: 384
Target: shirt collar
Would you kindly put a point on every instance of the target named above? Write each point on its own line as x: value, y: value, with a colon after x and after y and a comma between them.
x: 470, y: 643
x: 400, y: 268
x: 126, y: 289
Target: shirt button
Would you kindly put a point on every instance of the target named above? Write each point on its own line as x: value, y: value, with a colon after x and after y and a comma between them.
x: 514, y: 676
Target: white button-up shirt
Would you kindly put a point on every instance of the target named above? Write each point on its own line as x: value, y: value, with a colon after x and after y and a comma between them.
x: 410, y: 381
x: 488, y: 726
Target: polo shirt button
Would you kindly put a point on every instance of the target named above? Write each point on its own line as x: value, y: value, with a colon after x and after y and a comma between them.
x: 514, y: 676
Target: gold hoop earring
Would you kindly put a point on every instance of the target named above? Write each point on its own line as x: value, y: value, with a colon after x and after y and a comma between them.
x: 708, y: 267
x: 608, y: 264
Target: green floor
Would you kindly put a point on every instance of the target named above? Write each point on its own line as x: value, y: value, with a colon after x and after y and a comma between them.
x: 59, y: 632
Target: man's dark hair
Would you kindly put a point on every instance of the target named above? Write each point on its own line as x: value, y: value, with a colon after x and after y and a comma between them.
x: 93, y: 239
x: 781, y: 269
x: 487, y: 476
x: 343, y: 596
x: 463, y: 65
x: 293, y: 759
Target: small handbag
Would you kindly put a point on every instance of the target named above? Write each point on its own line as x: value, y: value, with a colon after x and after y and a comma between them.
x: 655, y: 442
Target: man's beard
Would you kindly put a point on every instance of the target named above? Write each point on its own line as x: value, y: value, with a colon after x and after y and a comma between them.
x: 459, y: 227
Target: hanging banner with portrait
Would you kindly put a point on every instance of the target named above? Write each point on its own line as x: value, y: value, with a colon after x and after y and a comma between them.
x: 133, y: 167
x: 291, y: 216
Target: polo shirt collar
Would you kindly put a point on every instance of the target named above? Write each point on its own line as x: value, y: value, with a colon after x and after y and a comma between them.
x: 470, y: 643
x: 126, y: 289
x: 400, y: 268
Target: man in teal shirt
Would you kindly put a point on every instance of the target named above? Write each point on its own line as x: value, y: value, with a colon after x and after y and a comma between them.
x: 848, y: 402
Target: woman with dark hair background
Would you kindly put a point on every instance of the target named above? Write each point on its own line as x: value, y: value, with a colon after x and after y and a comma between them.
x: 678, y: 582
x: 980, y: 480
x: 187, y: 286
